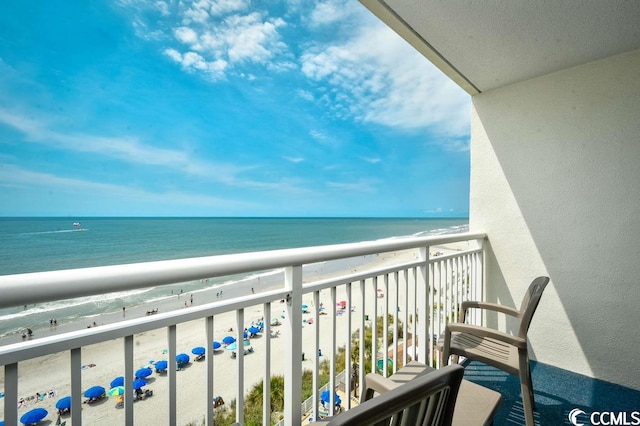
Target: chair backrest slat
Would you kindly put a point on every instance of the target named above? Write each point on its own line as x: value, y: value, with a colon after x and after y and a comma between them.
x: 530, y: 303
x: 427, y: 400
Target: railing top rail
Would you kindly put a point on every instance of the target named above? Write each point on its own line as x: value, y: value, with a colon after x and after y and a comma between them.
x: 39, y: 287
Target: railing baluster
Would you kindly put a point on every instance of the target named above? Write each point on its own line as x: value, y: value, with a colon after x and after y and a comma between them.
x: 396, y: 305
x: 128, y: 379
x: 385, y: 325
x: 414, y: 312
x: 347, y: 354
x: 334, y: 353
x: 240, y: 366
x: 293, y: 356
x: 209, y: 358
x: 361, y: 347
x: 316, y: 367
x: 172, y: 338
x: 76, y: 386
x: 374, y: 326
x: 405, y: 317
x: 423, y: 310
x: 266, y: 390
x: 11, y: 394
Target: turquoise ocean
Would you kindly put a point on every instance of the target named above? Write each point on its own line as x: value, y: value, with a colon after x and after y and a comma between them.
x: 46, y: 244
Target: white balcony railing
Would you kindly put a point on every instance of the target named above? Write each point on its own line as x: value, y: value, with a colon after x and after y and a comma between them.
x: 408, y: 278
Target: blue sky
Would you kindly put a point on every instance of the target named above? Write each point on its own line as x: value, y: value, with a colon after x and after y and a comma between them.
x: 223, y: 108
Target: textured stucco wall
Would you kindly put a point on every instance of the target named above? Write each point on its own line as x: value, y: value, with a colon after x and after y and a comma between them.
x: 555, y: 183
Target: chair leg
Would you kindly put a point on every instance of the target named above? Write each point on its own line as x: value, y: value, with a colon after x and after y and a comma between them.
x: 445, y: 357
x: 530, y: 381
x: 526, y: 386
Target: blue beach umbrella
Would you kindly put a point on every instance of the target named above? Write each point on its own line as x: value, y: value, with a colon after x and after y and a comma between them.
x: 254, y: 330
x: 33, y: 416
x: 94, y: 392
x: 228, y: 340
x: 139, y: 383
x: 143, y: 372
x: 326, y: 396
x: 232, y: 347
x: 161, y: 365
x: 118, y: 381
x: 182, y: 358
x: 198, y: 350
x: 64, y: 403
x: 216, y: 345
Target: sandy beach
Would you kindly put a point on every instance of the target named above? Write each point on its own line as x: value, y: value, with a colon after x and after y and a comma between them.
x: 105, y: 361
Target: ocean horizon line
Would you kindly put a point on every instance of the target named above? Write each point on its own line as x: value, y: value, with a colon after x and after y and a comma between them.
x: 240, y: 217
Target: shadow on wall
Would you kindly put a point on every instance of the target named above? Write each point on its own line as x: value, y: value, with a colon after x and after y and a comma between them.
x: 564, y: 146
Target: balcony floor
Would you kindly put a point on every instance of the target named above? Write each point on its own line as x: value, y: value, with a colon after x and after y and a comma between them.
x: 557, y: 392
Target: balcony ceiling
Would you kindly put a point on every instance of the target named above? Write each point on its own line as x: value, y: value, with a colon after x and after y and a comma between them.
x: 486, y: 44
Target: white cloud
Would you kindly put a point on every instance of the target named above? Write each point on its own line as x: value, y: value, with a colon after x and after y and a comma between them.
x: 17, y: 177
x: 187, y: 36
x: 330, y: 11
x: 249, y: 38
x: 163, y: 7
x: 372, y: 160
x: 377, y: 77
x: 195, y: 14
x: 305, y: 94
x: 127, y: 149
x: 294, y: 159
x: 362, y: 185
x: 192, y: 61
x: 317, y: 135
x: 222, y: 7
x: 131, y: 150
x: 232, y: 40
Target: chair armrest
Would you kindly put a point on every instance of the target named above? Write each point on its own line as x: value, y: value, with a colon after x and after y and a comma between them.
x: 376, y: 383
x: 516, y: 341
x: 487, y: 306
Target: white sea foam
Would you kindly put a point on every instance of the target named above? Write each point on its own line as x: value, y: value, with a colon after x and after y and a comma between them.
x: 43, y: 308
x: 60, y: 231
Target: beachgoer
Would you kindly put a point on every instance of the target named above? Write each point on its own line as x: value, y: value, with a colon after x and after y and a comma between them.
x: 29, y: 332
x: 123, y: 309
x: 191, y: 296
x: 252, y: 290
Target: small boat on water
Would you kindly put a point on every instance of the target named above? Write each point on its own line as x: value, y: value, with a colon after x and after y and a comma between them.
x: 78, y: 226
